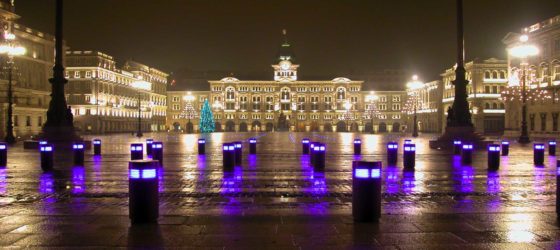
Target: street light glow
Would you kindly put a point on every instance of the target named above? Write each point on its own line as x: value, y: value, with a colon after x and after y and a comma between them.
x: 415, y: 83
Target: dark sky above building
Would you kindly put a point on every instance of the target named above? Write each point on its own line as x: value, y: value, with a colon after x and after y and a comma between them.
x: 330, y: 37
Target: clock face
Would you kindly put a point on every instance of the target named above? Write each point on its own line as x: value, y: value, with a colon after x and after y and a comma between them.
x: 285, y: 65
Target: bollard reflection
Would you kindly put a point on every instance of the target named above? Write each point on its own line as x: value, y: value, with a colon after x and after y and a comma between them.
x: 78, y: 180
x: 3, y: 182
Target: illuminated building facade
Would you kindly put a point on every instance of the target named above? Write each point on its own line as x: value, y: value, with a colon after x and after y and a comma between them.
x: 289, y: 104
x: 181, y: 118
x: 106, y: 99
x: 31, y: 87
x: 487, y: 79
x: 429, y: 108
x: 542, y: 80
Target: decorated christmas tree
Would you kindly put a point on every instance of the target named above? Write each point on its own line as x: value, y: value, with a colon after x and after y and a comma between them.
x: 206, y: 118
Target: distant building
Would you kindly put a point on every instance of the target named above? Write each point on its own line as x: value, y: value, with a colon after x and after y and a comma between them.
x: 179, y: 117
x: 286, y: 103
x: 543, y: 79
x: 429, y: 108
x: 30, y: 81
x: 105, y: 98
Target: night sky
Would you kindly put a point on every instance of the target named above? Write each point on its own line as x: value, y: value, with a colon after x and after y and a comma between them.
x: 329, y: 37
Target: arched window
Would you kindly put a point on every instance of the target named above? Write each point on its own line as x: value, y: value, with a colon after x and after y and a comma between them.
x: 487, y: 74
x: 285, y: 94
x: 495, y: 74
x: 230, y: 93
x: 494, y: 105
x: 502, y: 74
x: 502, y: 106
x: 341, y: 93
x: 487, y: 105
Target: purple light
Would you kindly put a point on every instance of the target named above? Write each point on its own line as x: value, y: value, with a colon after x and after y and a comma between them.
x: 2, y: 147
x: 407, y: 141
x: 225, y: 147
x: 467, y: 146
x: 539, y: 146
x: 456, y: 142
x: 201, y: 141
x: 78, y: 180
x: 305, y: 141
x: 231, y: 148
x: 357, y: 141
x: 78, y: 146
x: 375, y: 173
x: 558, y: 170
x: 157, y: 145
x: 409, y: 148
x: 252, y: 141
x: 46, y: 149
x: 361, y: 173
x: 494, y: 148
x: 143, y: 174
x: 552, y: 143
x: 136, y: 147
x: 149, y: 141
x: 322, y: 148
x: 97, y: 142
x: 42, y: 142
x: 505, y: 142
x: 392, y: 145
x: 238, y: 145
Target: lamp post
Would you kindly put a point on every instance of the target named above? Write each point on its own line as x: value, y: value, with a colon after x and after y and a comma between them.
x: 522, y: 51
x: 10, y: 49
x: 140, y: 85
x: 294, y: 114
x: 414, y: 87
x: 372, y: 98
x: 347, y: 116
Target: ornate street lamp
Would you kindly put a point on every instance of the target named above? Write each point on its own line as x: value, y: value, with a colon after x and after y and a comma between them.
x: 372, y: 98
x: 140, y: 84
x: 414, y: 86
x: 522, y: 51
x: 11, y: 49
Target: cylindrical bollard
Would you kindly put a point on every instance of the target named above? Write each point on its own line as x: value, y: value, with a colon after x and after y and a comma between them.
x: 409, y: 156
x: 238, y: 152
x: 252, y: 146
x: 538, y: 154
x: 558, y: 188
x: 149, y: 143
x: 136, y: 151
x: 3, y: 154
x: 228, y: 153
x: 41, y: 143
x: 392, y: 153
x: 505, y: 148
x: 357, y: 146
x: 157, y: 151
x: 201, y: 146
x: 78, y: 148
x: 319, y: 150
x: 457, y: 147
x: 466, y: 153
x: 552, y: 148
x: 46, y: 151
x: 305, y: 146
x: 143, y: 203
x: 312, y: 152
x: 493, y: 156
x: 366, y: 191
x: 96, y: 147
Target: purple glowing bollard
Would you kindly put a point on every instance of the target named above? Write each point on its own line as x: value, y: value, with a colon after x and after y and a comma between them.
x: 201, y: 146
x: 228, y: 154
x: 305, y: 146
x: 392, y: 153
x: 357, y: 146
x: 409, y: 156
x: 558, y: 188
x: 157, y: 151
x: 46, y: 152
x: 252, y: 146
x: 3, y: 154
x: 136, y: 151
x: 238, y: 152
x: 505, y: 148
x: 552, y: 148
x: 312, y: 152
x: 538, y: 154
x: 493, y: 157
x: 407, y: 141
x: 143, y: 191
x: 366, y: 191
x: 96, y: 147
x: 149, y: 143
x: 78, y: 149
x: 457, y: 145
x: 466, y: 153
x: 319, y: 155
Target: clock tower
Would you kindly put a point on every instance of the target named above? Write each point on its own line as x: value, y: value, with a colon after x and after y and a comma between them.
x: 285, y: 69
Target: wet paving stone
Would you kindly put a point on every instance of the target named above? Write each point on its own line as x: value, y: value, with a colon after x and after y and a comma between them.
x: 275, y: 200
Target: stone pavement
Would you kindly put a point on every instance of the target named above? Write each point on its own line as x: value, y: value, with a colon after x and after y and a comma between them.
x: 276, y: 201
